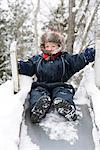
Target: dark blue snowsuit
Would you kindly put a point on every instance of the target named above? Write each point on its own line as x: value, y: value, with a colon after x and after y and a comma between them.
x: 52, y: 75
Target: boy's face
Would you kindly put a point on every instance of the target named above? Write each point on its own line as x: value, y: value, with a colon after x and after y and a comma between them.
x: 51, y: 46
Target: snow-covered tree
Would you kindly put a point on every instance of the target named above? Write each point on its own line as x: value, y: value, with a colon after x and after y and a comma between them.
x: 75, y: 19
x: 4, y: 54
x: 15, y: 24
x: 20, y: 26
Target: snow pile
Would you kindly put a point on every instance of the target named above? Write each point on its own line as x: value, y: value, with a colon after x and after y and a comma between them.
x: 93, y: 93
x: 9, y: 129
x: 11, y: 109
x: 58, y: 129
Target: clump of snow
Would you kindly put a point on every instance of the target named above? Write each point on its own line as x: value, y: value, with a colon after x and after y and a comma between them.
x: 74, y: 9
x: 58, y: 128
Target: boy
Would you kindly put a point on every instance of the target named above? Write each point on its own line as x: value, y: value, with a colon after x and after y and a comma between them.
x: 53, y: 68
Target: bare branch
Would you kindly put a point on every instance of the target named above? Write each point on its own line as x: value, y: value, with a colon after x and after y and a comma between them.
x: 91, y: 18
x: 83, y: 16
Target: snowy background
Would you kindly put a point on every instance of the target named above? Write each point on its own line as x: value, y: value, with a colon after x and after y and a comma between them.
x: 11, y: 110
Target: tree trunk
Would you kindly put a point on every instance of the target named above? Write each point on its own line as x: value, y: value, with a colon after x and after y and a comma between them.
x: 71, y: 27
x: 35, y: 27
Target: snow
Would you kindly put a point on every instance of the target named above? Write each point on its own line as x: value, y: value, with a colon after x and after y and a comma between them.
x: 93, y: 92
x: 63, y: 131
x: 26, y: 140
x: 11, y: 110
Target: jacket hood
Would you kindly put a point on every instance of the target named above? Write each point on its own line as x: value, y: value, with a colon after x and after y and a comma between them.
x: 52, y: 36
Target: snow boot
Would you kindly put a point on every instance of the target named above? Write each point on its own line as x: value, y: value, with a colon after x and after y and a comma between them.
x: 40, y: 108
x: 66, y: 109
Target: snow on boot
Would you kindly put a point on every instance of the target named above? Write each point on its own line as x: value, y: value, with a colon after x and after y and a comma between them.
x: 40, y: 108
x: 65, y: 109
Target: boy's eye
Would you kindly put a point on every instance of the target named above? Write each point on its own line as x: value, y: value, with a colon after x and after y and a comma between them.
x: 46, y: 46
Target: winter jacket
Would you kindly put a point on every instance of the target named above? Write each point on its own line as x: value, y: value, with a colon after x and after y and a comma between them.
x: 59, y: 70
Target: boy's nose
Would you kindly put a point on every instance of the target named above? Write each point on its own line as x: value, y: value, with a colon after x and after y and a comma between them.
x: 49, y: 48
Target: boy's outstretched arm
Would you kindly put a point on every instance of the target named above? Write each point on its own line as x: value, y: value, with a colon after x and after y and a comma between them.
x: 26, y: 68
x: 79, y: 61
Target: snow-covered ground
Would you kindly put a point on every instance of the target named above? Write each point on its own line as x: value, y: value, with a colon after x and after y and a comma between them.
x: 11, y: 110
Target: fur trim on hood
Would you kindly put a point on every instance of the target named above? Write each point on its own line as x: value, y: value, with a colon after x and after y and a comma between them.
x: 52, y: 36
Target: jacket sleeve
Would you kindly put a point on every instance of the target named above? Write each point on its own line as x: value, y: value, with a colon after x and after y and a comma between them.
x: 27, y: 68
x: 76, y: 62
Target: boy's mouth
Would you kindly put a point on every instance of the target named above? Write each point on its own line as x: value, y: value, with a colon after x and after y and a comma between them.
x: 52, y: 52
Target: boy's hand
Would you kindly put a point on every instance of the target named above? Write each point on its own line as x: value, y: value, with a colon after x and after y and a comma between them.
x: 89, y: 54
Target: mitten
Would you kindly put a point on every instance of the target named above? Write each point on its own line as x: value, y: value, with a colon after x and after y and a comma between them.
x: 89, y: 54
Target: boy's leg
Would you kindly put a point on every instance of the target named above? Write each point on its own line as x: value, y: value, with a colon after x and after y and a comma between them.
x: 40, y: 103
x: 63, y: 102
